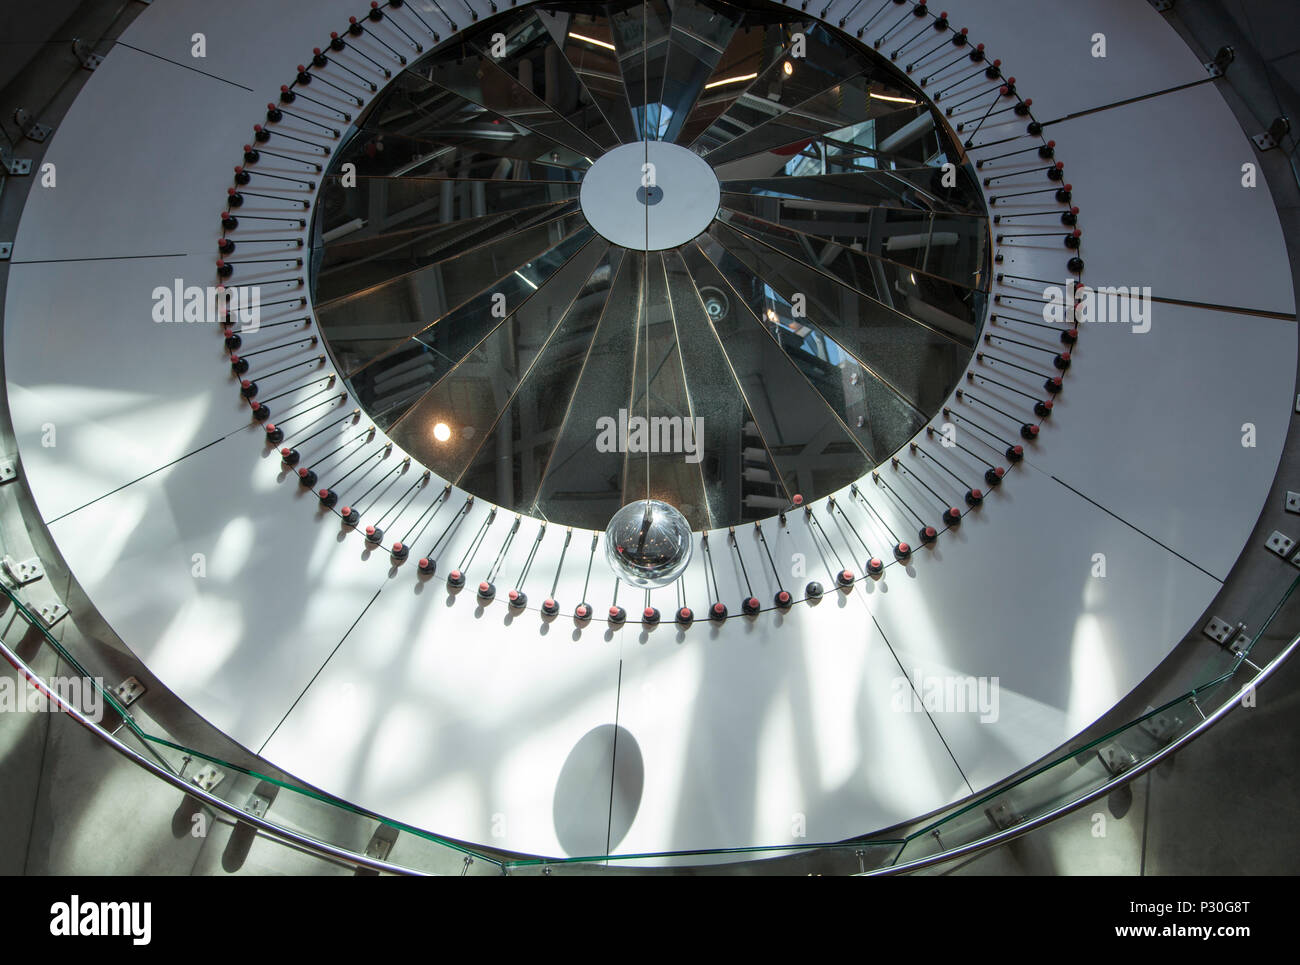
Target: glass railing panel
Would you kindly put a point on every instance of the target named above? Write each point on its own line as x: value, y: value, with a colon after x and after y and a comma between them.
x: 1062, y: 781
x: 1068, y: 777
x: 1200, y: 686
x: 834, y: 858
x: 285, y: 804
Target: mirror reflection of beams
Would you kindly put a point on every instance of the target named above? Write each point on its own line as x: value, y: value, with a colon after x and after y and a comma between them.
x: 817, y: 323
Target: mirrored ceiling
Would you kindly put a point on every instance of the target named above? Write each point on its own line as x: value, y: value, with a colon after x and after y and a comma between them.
x: 810, y: 330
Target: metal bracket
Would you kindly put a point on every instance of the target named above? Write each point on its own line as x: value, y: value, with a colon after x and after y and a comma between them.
x: 1162, y: 727
x: 1272, y: 138
x: 8, y: 470
x: 380, y: 845
x: 1218, y: 630
x: 1163, y: 6
x: 1234, y: 639
x: 1219, y: 65
x: 1115, y: 758
x: 257, y: 805
x: 378, y: 849
x: 22, y: 572
x: 1280, y: 543
x: 207, y: 777
x: 29, y: 127
x: 83, y: 52
x: 6, y: 249
x: 129, y: 691
x: 16, y: 166
x: 52, y: 613
x: 1001, y: 816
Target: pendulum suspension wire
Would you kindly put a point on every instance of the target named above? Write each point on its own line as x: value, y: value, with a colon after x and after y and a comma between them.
x: 645, y: 190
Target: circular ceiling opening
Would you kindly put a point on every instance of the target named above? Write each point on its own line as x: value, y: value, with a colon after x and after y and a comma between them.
x: 681, y: 251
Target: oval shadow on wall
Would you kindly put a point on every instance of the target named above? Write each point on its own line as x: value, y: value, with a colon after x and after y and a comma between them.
x: 592, y: 814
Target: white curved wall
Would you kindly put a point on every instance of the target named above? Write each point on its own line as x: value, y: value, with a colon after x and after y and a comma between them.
x: 352, y: 674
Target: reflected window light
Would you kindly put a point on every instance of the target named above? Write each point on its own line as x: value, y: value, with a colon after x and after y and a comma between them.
x: 730, y: 80
x: 892, y: 100
x: 591, y: 40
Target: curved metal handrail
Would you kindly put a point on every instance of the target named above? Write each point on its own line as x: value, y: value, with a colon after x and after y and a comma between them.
x: 314, y: 845
x: 1008, y: 834
x: 325, y: 849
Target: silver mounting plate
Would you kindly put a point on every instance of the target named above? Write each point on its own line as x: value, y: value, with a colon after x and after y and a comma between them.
x: 22, y: 572
x: 207, y: 777
x: 129, y: 691
x: 1002, y: 816
x: 52, y: 613
x: 1115, y: 758
x: 1218, y: 630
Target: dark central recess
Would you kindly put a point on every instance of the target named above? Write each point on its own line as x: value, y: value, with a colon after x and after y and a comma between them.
x: 651, y: 195
x: 815, y: 326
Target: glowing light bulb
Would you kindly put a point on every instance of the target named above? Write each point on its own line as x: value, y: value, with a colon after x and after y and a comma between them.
x: 442, y: 432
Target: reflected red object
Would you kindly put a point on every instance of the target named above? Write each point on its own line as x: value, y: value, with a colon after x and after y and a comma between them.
x: 790, y: 150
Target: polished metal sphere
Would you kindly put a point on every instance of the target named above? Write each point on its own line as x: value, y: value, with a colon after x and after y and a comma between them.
x: 648, y: 543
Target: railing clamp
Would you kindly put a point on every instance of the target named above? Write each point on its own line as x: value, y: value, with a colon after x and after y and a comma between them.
x: 21, y: 572
x: 1219, y: 65
x: 31, y: 130
x: 1272, y: 138
x: 83, y: 52
x: 16, y: 166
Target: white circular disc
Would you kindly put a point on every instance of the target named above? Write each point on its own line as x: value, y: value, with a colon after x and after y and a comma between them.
x: 684, y: 195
